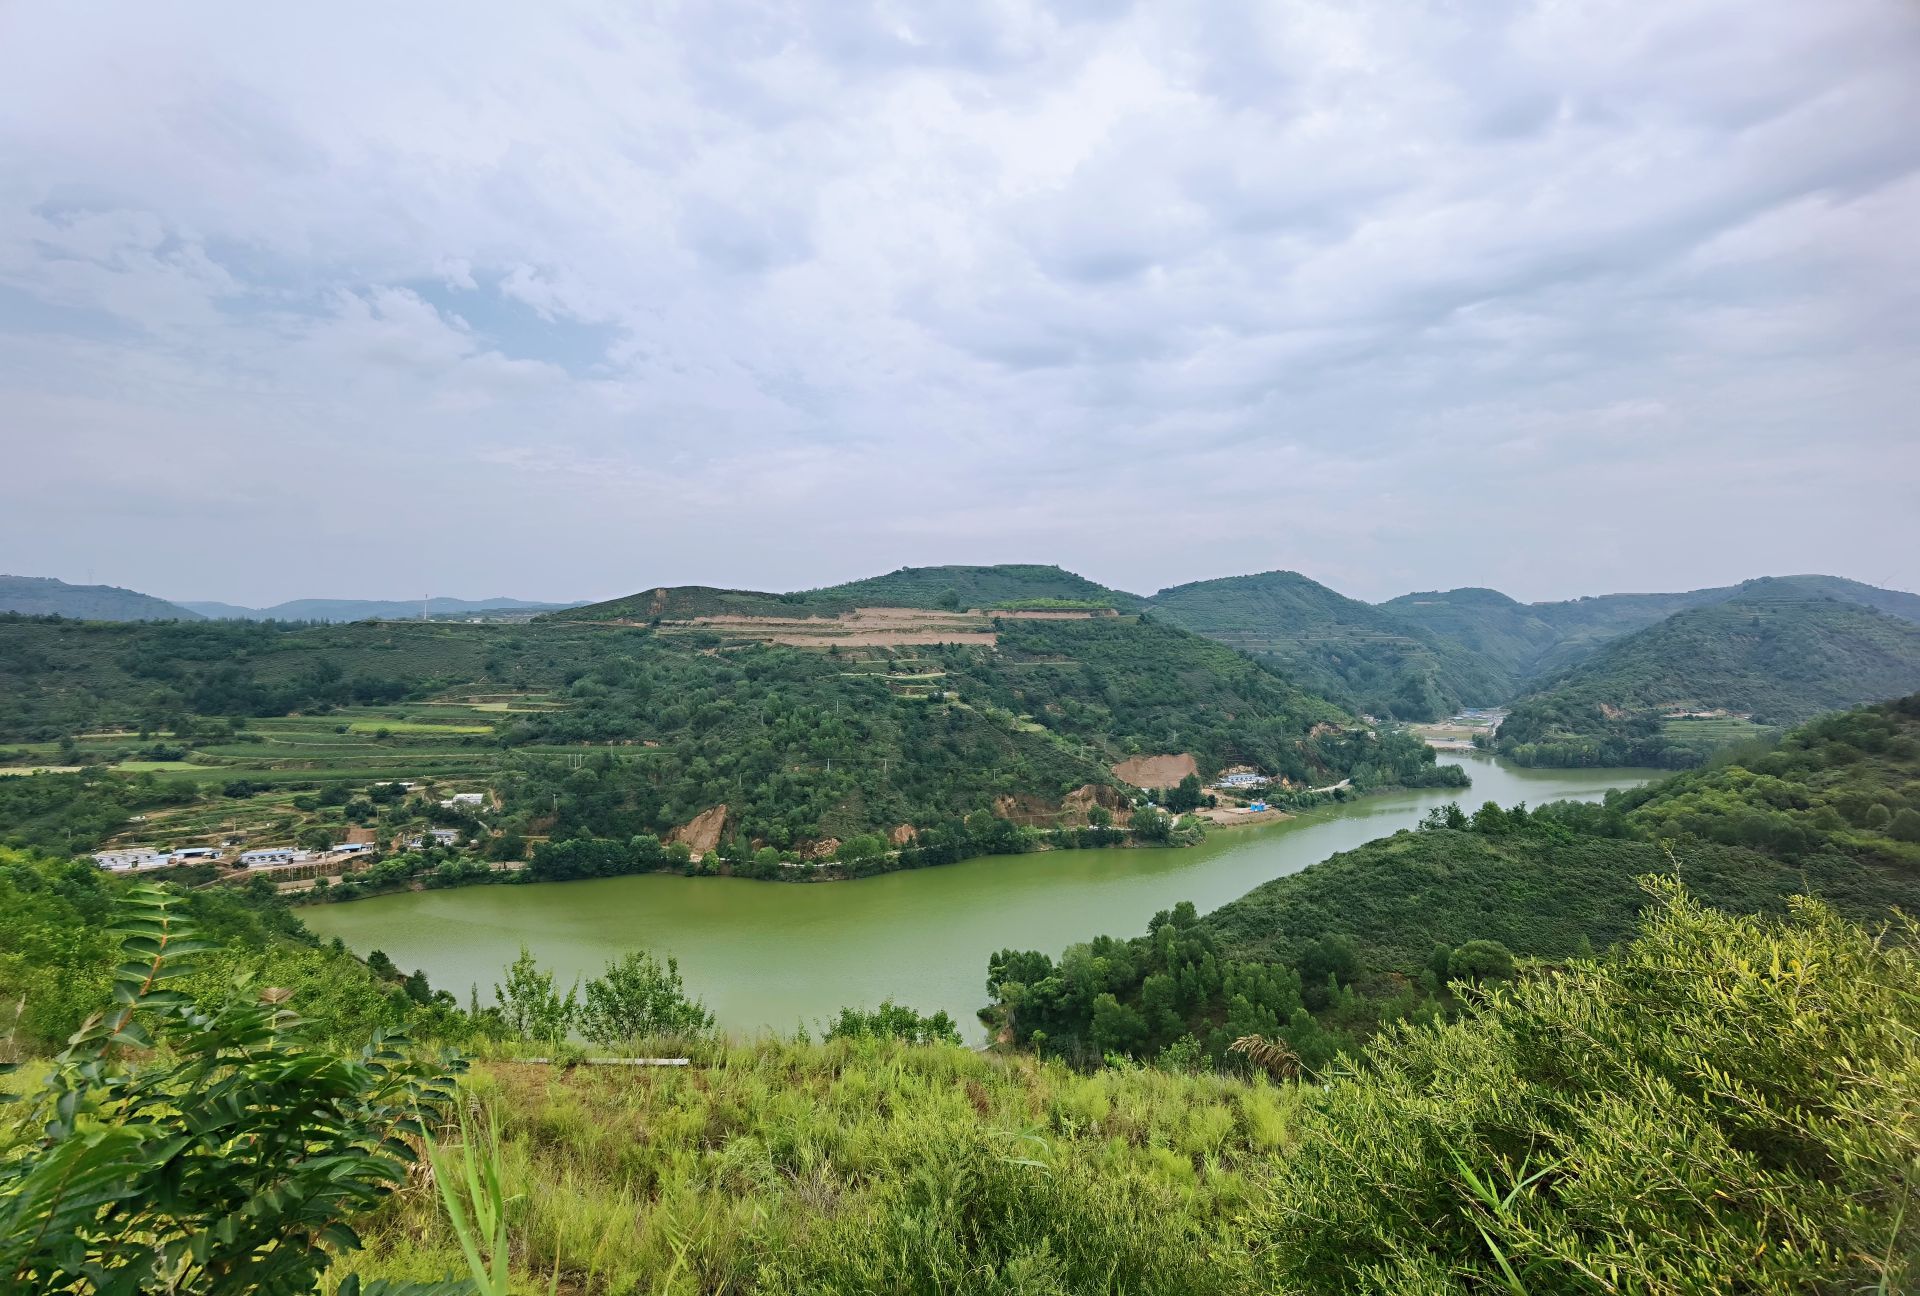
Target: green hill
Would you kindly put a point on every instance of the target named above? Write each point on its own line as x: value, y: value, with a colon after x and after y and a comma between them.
x: 1534, y: 640
x: 1364, y: 657
x: 1775, y: 655
x: 44, y: 596
x: 613, y: 731
x: 1000, y: 585
x: 1325, y: 957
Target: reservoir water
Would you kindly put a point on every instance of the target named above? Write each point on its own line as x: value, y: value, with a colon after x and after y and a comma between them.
x: 771, y: 955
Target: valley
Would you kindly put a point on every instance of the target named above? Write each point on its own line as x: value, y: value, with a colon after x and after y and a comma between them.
x: 771, y: 959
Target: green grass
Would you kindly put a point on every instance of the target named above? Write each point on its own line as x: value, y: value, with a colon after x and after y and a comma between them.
x: 865, y: 1166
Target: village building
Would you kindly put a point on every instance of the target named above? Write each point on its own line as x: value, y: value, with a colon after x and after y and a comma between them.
x: 268, y: 857
x: 128, y: 859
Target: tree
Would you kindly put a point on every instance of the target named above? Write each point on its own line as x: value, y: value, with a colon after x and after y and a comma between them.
x: 1480, y: 960
x: 1186, y: 796
x: 638, y: 998
x: 1150, y: 825
x: 530, y: 1006
x: 895, y: 1021
x: 1116, y: 1028
x: 1330, y: 956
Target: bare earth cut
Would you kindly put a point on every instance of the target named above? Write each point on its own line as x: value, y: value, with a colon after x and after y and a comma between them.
x: 1155, y: 771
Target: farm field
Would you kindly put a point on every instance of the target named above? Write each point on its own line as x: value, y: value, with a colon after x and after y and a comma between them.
x: 1714, y: 731
x: 255, y: 783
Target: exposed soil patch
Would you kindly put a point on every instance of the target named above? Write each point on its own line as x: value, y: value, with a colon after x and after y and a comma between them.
x: 702, y: 832
x: 1155, y: 771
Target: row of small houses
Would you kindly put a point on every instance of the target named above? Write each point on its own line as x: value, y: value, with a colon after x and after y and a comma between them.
x: 134, y: 859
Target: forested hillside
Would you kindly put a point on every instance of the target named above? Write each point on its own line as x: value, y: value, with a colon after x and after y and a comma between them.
x: 1532, y: 640
x: 613, y: 731
x: 1363, y: 657
x: 1669, y: 694
x: 44, y: 596
x: 1323, y: 958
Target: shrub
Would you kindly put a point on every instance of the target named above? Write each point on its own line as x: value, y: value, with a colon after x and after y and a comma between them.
x: 1725, y: 1104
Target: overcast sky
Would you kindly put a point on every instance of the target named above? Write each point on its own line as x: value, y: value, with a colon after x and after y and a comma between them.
x: 558, y: 301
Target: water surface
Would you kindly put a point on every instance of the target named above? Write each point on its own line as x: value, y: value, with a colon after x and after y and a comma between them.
x: 776, y: 955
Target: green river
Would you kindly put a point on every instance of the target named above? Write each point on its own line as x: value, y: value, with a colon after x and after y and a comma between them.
x: 772, y: 955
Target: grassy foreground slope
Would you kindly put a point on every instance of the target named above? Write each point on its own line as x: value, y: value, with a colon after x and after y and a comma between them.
x: 1702, y: 1124
x: 1361, y: 656
x: 1775, y: 655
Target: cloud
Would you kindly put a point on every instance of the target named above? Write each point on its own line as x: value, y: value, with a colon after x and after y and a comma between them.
x: 576, y: 299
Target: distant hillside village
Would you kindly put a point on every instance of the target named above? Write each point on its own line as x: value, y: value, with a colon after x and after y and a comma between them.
x: 358, y: 842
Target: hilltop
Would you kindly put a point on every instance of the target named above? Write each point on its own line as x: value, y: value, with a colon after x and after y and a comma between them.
x: 1005, y: 585
x: 1360, y: 655
x: 1774, y: 655
x: 44, y: 596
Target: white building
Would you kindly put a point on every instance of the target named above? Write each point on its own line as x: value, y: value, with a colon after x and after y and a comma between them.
x: 351, y: 848
x: 270, y: 856
x: 1244, y: 780
x: 131, y: 858
x: 465, y: 799
x: 439, y: 837
x: 196, y: 855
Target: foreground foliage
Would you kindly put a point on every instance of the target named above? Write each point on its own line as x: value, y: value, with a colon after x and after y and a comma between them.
x: 1725, y: 1104
x: 207, y: 1146
x: 1729, y: 1104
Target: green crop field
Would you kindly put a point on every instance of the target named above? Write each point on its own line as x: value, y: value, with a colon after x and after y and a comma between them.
x: 1716, y: 731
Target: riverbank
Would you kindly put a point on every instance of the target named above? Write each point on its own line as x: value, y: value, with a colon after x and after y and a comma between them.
x: 602, y: 858
x: 778, y: 957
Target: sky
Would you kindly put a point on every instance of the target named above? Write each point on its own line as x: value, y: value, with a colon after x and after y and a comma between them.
x: 565, y: 301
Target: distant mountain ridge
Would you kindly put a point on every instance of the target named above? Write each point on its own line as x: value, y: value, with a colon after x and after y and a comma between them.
x: 45, y: 596
x: 366, y: 609
x: 1355, y: 653
x: 1535, y: 640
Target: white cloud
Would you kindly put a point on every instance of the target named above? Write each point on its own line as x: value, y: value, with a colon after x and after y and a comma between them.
x: 1558, y: 297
